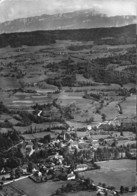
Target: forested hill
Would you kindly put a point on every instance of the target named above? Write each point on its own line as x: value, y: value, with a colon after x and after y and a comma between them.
x: 117, y: 35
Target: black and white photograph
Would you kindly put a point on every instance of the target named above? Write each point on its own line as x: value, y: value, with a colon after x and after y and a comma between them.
x: 68, y: 90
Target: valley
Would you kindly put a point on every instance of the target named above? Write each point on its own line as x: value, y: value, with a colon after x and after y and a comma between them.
x: 68, y: 103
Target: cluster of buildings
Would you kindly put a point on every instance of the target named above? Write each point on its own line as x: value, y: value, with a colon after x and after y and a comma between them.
x: 66, y: 155
x: 58, y: 158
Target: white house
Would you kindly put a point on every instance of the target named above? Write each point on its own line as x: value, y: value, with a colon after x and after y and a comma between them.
x: 3, y: 171
x: 39, y: 174
x: 71, y: 176
x: 81, y: 167
x: 34, y: 170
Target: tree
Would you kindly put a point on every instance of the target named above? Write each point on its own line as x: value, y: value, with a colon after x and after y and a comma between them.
x: 88, y: 182
x: 3, y: 108
x: 99, y: 184
x: 121, y: 133
x: 3, y: 178
x: 58, y: 192
x: 133, y: 189
x: 103, y: 117
x: 126, y: 189
x: 12, y: 174
x: 104, y: 185
x: 121, y: 190
x: 30, y: 167
x: 19, y: 153
x: 13, y: 162
x: 69, y: 186
x: 1, y: 163
x: 105, y: 192
x: 112, y: 188
x: 1, y: 185
x: 47, y: 138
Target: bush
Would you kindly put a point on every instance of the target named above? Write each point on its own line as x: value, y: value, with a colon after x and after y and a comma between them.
x: 3, y: 178
x: 126, y: 189
x: 133, y: 189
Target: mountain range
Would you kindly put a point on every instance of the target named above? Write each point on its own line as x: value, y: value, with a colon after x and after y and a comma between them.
x: 84, y: 19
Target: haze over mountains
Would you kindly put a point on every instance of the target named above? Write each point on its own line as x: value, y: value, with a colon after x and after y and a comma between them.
x: 83, y: 19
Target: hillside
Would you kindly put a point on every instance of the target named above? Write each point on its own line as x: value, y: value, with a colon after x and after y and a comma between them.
x: 72, y: 82
x: 115, y: 35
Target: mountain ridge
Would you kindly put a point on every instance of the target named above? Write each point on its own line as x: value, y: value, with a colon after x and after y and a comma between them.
x: 85, y: 19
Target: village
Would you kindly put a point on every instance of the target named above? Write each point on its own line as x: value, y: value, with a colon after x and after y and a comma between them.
x: 65, y: 156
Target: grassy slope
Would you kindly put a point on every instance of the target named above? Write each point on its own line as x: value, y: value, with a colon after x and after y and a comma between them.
x: 34, y: 60
x: 115, y: 173
x: 36, y: 189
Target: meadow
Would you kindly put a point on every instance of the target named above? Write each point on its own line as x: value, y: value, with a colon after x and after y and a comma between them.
x: 42, y: 189
x: 115, y: 173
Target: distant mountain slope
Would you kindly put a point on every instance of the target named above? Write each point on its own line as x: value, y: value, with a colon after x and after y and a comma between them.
x: 72, y: 20
x: 126, y: 34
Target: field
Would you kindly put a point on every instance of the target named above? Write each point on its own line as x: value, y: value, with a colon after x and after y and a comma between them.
x: 24, y: 72
x: 115, y: 173
x: 36, y: 189
x: 82, y: 193
x: 85, y: 193
x: 128, y: 106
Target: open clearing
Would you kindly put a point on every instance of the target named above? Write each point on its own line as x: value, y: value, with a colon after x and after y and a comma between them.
x: 115, y: 173
x: 86, y: 193
x: 37, y: 189
x: 128, y: 106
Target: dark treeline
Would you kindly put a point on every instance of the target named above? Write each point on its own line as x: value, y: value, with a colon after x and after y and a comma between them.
x: 28, y: 38
x: 8, y: 139
x: 49, y: 37
x: 96, y: 69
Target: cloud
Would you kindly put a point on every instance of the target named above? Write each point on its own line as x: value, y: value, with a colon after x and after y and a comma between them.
x: 12, y: 9
x: 1, y: 1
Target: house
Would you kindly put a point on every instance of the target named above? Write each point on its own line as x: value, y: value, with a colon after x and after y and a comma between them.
x: 133, y: 153
x: 122, y: 154
x: 71, y: 176
x: 57, y: 157
x: 67, y: 166
x: 34, y: 170
x: 39, y: 174
x: 81, y: 167
x: 103, y: 191
x: 72, y: 145
x: 29, y: 148
x: 24, y: 171
x: 57, y: 168
x: 83, y: 144
x: 100, y: 192
x: 62, y: 145
x: 3, y: 171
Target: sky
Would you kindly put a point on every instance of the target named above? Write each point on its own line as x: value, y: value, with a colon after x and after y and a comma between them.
x: 13, y: 9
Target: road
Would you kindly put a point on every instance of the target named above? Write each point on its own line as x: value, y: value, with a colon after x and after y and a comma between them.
x: 15, y: 180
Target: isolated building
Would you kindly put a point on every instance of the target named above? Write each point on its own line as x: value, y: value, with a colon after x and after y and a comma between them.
x: 71, y: 176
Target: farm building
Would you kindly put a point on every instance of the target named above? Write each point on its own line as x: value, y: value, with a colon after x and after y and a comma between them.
x: 81, y: 167
x: 71, y: 176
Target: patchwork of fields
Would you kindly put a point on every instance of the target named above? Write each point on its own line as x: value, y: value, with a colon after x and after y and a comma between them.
x: 72, y: 84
